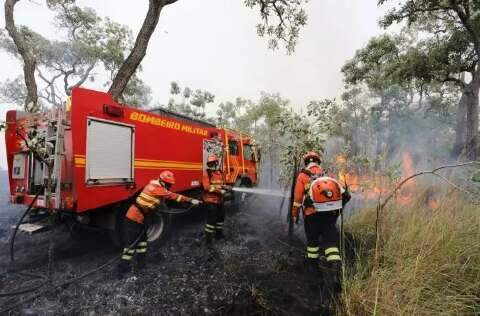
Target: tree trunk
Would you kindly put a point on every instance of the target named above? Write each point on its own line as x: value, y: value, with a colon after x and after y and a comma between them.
x: 460, y: 127
x: 139, y: 50
x: 472, y: 91
x: 29, y: 62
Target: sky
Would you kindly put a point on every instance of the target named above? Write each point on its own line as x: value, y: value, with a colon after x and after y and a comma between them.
x: 215, y: 47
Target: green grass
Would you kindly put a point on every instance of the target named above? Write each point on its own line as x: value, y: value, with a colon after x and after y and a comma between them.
x: 428, y: 263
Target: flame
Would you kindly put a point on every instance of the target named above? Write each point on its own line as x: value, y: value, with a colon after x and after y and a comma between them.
x: 432, y: 199
x: 407, y: 192
x: 349, y: 179
x: 340, y: 160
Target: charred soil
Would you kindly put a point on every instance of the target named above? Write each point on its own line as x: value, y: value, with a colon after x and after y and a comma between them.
x: 255, y: 270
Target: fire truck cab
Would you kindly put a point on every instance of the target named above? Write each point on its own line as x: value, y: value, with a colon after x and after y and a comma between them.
x: 88, y: 160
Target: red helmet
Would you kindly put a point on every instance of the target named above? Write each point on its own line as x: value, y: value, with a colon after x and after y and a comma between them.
x: 167, y: 177
x: 212, y: 158
x: 311, y: 155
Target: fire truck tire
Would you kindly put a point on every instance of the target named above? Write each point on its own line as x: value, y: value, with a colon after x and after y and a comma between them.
x: 158, y: 225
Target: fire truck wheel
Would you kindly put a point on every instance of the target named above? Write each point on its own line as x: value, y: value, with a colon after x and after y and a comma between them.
x: 157, y: 227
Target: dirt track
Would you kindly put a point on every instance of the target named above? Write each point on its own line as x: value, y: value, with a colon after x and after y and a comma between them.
x: 253, y: 271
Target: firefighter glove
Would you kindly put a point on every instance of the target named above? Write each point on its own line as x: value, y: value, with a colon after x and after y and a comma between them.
x: 195, y: 202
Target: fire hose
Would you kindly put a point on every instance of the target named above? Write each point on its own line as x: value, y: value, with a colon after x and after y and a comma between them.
x: 12, y: 256
x: 68, y: 282
x: 65, y: 283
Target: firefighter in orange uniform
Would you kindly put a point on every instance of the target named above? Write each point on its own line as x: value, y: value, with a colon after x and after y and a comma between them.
x: 214, y: 189
x: 321, y: 198
x: 149, y: 199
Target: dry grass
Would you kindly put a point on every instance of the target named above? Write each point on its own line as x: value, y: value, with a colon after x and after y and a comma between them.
x: 429, y: 261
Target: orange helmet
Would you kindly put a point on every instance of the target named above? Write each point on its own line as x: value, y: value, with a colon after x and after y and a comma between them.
x: 310, y: 156
x: 167, y: 177
x: 212, y: 158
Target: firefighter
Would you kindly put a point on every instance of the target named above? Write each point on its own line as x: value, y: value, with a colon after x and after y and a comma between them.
x: 321, y: 202
x: 135, y: 236
x: 214, y: 189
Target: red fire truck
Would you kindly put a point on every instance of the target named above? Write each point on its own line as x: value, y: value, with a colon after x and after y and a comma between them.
x: 90, y: 158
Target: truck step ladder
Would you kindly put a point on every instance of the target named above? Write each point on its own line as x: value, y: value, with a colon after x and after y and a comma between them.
x: 55, y: 148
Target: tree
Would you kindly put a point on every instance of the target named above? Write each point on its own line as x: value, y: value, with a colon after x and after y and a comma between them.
x: 192, y: 105
x: 452, y: 48
x: 229, y: 112
x: 373, y: 66
x: 91, y: 41
x: 29, y: 62
x: 282, y: 20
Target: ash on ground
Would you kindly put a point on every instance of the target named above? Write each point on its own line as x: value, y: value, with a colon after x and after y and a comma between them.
x: 257, y: 269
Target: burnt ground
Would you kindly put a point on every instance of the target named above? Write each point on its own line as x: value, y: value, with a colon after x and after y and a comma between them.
x: 256, y: 270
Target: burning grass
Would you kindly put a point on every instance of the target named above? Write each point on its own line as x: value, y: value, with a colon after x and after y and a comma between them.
x: 428, y: 260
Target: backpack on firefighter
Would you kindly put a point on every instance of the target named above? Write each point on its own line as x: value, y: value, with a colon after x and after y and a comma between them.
x: 323, y: 193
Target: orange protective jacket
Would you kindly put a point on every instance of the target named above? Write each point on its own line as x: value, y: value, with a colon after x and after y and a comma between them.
x: 151, y: 197
x: 301, y: 187
x: 213, y: 182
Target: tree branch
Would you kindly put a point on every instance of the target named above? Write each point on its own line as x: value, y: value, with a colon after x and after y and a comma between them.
x: 130, y: 65
x: 83, y: 78
x: 432, y: 172
x: 29, y: 61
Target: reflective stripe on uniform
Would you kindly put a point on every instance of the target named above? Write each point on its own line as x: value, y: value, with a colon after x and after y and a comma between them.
x: 142, y: 244
x: 331, y: 250
x: 144, y: 203
x: 313, y: 252
x: 179, y: 198
x: 126, y: 257
x: 220, y: 225
x: 209, y: 228
x: 149, y: 198
x: 296, y: 204
x: 127, y: 254
x: 334, y: 258
x: 212, y: 189
x: 141, y: 250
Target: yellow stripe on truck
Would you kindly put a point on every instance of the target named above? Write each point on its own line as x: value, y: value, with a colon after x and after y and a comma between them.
x: 80, y: 161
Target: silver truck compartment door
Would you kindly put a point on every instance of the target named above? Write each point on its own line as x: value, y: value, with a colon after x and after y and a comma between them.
x: 110, y: 152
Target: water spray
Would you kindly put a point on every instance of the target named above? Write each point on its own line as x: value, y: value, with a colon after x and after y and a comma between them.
x: 268, y: 192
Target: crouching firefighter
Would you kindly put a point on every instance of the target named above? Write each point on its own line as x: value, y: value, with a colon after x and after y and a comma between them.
x: 135, y: 237
x: 214, y: 189
x: 321, y: 198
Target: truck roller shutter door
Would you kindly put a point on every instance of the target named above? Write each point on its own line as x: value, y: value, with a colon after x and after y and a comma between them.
x: 109, y: 152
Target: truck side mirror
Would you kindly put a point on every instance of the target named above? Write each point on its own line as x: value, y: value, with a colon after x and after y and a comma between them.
x: 258, y: 154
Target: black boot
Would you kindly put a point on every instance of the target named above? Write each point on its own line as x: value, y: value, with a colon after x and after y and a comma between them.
x: 219, y: 234
x: 312, y: 267
x: 334, y: 279
x: 209, y: 240
x: 122, y: 269
x: 141, y: 261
